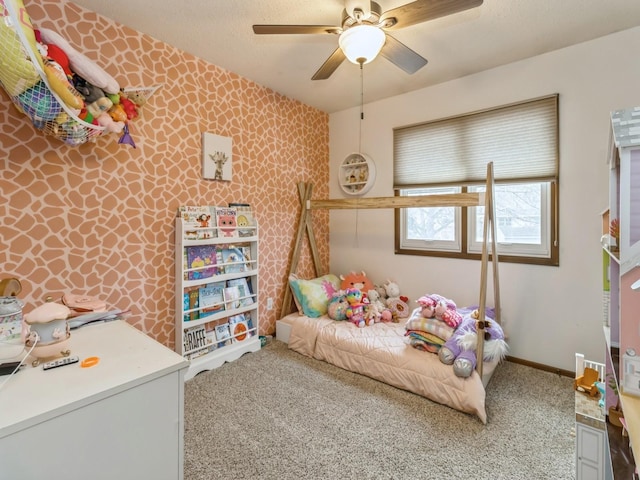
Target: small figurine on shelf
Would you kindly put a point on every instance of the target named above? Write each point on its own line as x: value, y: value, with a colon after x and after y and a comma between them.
x: 614, y: 231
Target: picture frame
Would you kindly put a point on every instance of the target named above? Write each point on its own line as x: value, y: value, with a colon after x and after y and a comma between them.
x: 217, y: 157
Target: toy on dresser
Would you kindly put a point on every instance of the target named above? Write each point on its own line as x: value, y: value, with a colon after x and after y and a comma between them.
x: 46, y: 331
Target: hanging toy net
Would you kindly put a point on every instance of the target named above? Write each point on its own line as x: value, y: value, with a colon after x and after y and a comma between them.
x: 41, y: 89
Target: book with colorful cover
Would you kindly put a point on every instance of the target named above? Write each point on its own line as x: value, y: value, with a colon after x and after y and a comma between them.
x: 191, y: 302
x: 233, y: 259
x: 223, y: 334
x: 226, y: 221
x: 246, y: 298
x: 203, y: 258
x: 244, y: 218
x: 211, y: 299
x: 238, y: 328
x: 231, y: 297
x: 198, y: 221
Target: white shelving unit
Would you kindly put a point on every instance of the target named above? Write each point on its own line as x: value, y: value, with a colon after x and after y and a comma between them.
x: 357, y: 174
x: 201, y: 347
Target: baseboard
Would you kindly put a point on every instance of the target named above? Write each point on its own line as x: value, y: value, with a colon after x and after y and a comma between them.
x: 540, y: 366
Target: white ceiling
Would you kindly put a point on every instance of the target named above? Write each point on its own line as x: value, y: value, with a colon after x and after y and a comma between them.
x: 496, y: 33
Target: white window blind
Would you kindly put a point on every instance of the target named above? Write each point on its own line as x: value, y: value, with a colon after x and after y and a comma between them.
x: 520, y: 139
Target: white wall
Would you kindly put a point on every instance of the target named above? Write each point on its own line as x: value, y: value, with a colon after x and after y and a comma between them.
x: 549, y: 313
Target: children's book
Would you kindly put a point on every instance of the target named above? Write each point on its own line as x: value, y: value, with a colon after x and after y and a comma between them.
x: 223, y: 335
x: 199, y: 221
x: 249, y: 320
x: 195, y: 338
x: 191, y: 302
x: 201, y: 261
x: 249, y: 263
x: 243, y: 286
x: 245, y: 220
x: 226, y: 221
x: 211, y: 299
x: 238, y: 327
x: 232, y: 297
x: 233, y: 260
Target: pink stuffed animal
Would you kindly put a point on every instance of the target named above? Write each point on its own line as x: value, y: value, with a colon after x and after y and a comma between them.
x: 443, y: 309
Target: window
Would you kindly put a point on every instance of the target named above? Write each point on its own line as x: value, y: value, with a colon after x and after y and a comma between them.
x: 450, y: 156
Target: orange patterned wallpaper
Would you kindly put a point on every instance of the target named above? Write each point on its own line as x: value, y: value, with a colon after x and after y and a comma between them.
x: 99, y: 219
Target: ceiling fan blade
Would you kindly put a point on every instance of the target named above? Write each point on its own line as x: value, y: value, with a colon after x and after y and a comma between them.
x: 330, y: 65
x: 402, y: 56
x: 424, y: 10
x: 294, y: 29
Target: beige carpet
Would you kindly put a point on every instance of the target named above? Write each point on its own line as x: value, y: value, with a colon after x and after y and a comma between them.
x: 276, y: 414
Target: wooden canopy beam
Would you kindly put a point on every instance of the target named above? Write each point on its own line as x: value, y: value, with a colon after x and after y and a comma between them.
x: 441, y: 200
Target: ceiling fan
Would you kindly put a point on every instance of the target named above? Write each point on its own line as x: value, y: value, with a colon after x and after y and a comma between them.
x: 364, y: 32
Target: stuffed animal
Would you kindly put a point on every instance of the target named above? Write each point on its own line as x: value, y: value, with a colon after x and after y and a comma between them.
x: 375, y: 303
x: 395, y: 303
x: 443, y: 309
x: 356, y: 280
x: 337, y: 309
x: 80, y: 63
x: 355, y: 310
x: 460, y: 349
x: 372, y: 311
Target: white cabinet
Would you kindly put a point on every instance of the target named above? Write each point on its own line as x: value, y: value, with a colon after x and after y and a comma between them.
x: 216, y: 295
x: 590, y: 444
x: 357, y: 174
x: 121, y: 418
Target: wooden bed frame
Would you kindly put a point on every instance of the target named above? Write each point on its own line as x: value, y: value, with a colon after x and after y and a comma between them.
x: 444, y: 200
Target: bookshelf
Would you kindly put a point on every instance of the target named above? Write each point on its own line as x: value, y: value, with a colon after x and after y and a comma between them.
x: 216, y: 290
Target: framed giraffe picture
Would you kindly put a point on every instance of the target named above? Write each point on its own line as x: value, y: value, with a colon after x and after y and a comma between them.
x: 216, y: 157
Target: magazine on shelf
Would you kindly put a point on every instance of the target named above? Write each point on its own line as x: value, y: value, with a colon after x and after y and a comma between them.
x: 238, y: 327
x: 246, y: 298
x: 198, y: 221
x: 245, y: 220
x: 226, y: 221
x: 232, y: 297
x: 223, y: 334
x: 211, y: 299
x: 202, y: 258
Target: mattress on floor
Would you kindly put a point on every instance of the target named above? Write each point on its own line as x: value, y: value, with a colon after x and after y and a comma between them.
x: 381, y: 352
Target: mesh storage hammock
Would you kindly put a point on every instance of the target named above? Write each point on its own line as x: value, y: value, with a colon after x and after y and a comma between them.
x: 42, y: 90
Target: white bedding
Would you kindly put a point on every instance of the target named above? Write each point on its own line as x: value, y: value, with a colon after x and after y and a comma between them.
x: 381, y: 352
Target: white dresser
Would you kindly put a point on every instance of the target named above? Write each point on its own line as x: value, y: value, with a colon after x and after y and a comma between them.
x: 120, y: 419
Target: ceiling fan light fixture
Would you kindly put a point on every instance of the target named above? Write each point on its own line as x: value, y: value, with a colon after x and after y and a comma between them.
x: 361, y: 43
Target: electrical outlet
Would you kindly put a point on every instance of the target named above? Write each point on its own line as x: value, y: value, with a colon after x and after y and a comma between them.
x: 269, y: 303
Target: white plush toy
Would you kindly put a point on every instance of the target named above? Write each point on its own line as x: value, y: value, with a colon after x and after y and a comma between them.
x: 81, y: 64
x: 395, y: 302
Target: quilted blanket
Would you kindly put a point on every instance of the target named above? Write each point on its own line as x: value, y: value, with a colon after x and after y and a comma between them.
x: 381, y: 352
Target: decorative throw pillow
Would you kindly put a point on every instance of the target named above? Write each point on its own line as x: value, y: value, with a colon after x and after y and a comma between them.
x: 312, y: 296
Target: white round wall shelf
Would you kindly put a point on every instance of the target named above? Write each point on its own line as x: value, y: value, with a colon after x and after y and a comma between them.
x: 357, y: 174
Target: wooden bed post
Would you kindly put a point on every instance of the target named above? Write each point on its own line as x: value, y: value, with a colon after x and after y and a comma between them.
x: 304, y: 223
x: 489, y: 226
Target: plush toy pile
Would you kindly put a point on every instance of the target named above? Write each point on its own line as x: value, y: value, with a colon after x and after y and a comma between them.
x: 438, y: 326
x: 62, y: 91
x: 363, y: 304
